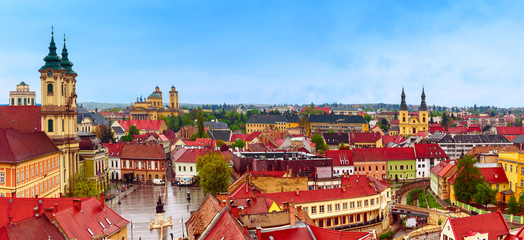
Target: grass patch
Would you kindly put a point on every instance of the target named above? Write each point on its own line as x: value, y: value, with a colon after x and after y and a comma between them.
x: 432, y: 202
x: 412, y: 196
x: 422, y: 201
x: 448, y: 201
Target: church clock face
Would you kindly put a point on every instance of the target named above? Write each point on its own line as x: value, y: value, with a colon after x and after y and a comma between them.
x: 50, y: 73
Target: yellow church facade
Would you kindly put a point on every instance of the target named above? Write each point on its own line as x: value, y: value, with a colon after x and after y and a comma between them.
x: 412, y: 123
x: 58, y: 110
x: 153, y: 108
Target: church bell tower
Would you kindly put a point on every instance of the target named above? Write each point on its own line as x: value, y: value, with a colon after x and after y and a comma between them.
x: 58, y: 110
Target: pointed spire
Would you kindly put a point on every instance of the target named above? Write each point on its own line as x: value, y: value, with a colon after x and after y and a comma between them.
x: 403, y: 105
x: 66, y: 64
x: 52, y: 60
x: 423, y: 106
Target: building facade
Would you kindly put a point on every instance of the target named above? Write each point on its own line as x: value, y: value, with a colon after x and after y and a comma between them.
x: 58, y: 110
x: 411, y: 124
x: 513, y: 164
x: 22, y: 96
x: 28, y: 173
x: 143, y: 162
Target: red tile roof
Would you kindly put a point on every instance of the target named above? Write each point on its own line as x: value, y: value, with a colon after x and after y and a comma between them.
x: 340, y: 156
x: 491, y: 223
x: 510, y: 130
x: 445, y: 170
x: 22, y: 208
x: 114, y: 149
x: 152, y: 151
x: 359, y: 186
x: 364, y: 137
x: 435, y: 127
x: 325, y: 234
x: 33, y: 228
x: 437, y: 168
x: 225, y: 226
x: 201, y: 142
x: 256, y: 205
x: 429, y: 150
x: 301, y: 233
x: 15, y: 146
x: 75, y: 223
x: 252, y: 136
x: 148, y: 125
x: 189, y: 155
x: 494, y: 175
x: 200, y: 219
x: 395, y: 139
x: 325, y: 110
x: 21, y: 118
x: 267, y: 173
x: 399, y: 153
x: 492, y: 149
x: 235, y: 137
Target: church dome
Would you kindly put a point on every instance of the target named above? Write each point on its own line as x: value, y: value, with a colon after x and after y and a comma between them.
x: 154, y: 95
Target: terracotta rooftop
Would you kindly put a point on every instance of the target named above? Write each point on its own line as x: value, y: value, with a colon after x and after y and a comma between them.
x: 491, y: 223
x: 494, y: 175
x: 201, y: 218
x: 21, y: 118
x: 340, y: 157
x: 148, y: 125
x: 492, y: 149
x: 143, y: 151
x: 14, y: 145
x: 429, y: 150
x: 33, y: 228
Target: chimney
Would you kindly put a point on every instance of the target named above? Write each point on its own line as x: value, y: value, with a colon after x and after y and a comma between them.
x: 234, y: 211
x: 259, y: 233
x: 78, y: 204
x: 292, y: 213
x: 241, y: 210
x: 102, y: 200
x: 285, y: 206
x: 245, y: 229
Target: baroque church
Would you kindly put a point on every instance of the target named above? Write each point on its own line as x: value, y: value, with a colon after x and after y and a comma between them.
x: 58, y: 111
x: 153, y: 108
x: 410, y: 123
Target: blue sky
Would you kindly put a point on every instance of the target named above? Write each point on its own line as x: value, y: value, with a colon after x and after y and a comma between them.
x: 463, y: 52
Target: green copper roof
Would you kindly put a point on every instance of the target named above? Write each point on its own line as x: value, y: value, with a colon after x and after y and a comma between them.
x: 23, y: 83
x: 66, y: 64
x: 52, y: 60
x: 154, y: 95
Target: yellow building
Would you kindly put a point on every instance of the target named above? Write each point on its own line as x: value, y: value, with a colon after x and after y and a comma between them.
x: 153, y: 108
x: 513, y: 164
x: 260, y: 123
x: 29, y: 165
x: 360, y: 201
x: 58, y: 111
x: 496, y: 179
x: 411, y: 124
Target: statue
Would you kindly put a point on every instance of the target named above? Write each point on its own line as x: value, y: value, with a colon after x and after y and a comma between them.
x: 159, y: 206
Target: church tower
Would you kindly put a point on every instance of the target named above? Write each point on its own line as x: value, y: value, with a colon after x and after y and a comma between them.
x: 403, y: 115
x: 423, y: 113
x: 173, y: 98
x: 58, y: 110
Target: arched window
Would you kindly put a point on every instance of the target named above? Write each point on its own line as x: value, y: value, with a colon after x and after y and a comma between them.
x: 50, y: 125
x: 50, y: 88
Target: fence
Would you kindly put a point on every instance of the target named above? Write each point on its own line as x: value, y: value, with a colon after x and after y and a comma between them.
x: 509, y: 217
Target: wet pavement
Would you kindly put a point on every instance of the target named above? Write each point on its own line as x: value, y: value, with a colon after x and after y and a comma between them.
x: 139, y: 208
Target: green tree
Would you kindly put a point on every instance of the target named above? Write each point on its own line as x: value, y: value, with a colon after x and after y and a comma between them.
x: 133, y: 130
x: 367, y: 117
x: 200, y: 123
x: 468, y: 177
x: 521, y: 201
x: 214, y: 173
x: 513, y: 205
x: 485, y: 195
x: 81, y: 187
x: 238, y: 144
x: 220, y: 142
x: 319, y: 143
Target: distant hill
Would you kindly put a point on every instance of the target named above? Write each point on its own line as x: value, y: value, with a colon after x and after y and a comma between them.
x: 96, y: 105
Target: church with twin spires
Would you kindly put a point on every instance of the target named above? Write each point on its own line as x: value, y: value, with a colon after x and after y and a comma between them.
x: 58, y: 111
x: 412, y: 123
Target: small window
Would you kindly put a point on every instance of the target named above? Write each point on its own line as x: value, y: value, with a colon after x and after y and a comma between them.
x: 329, y: 208
x: 2, y: 177
x: 50, y: 88
x: 313, y: 210
x: 321, y: 209
x: 50, y: 125
x: 344, y: 206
